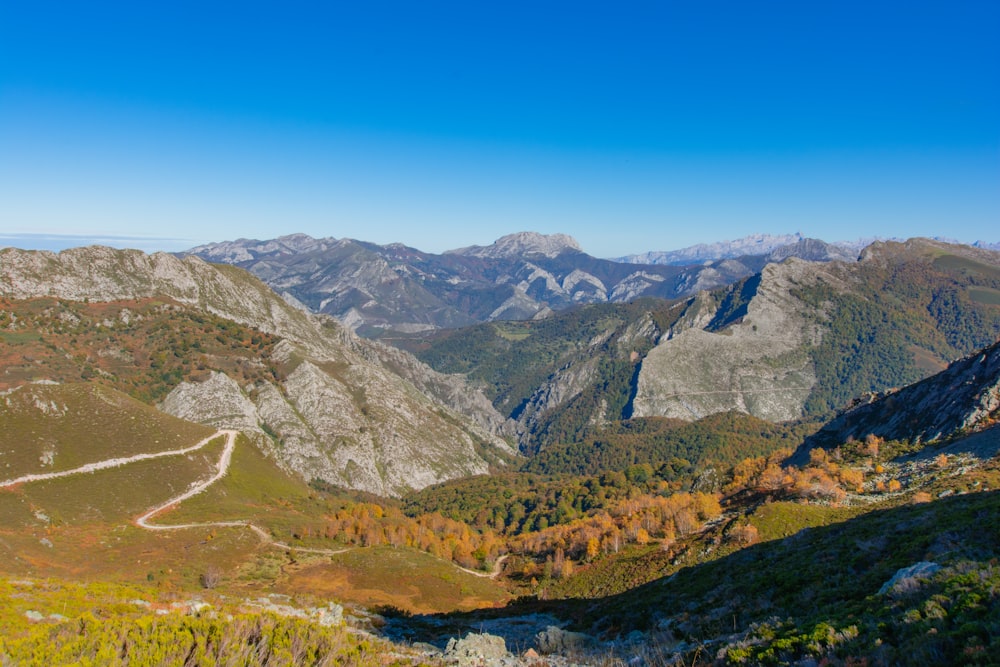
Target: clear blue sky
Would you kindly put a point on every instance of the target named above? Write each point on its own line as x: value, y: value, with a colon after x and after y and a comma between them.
x: 632, y: 126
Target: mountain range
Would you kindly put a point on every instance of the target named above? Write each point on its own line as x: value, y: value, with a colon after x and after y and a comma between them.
x: 765, y: 244
x: 381, y: 289
x: 797, y: 340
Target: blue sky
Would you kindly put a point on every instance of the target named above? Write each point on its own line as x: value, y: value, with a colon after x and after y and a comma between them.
x: 635, y: 126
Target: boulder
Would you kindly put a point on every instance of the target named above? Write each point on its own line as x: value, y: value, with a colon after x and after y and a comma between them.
x: 475, y: 649
x: 906, y: 577
x: 556, y: 640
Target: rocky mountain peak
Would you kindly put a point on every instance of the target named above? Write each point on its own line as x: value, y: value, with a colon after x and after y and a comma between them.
x: 521, y: 244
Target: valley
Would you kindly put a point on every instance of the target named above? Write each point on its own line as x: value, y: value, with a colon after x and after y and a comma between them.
x: 741, y: 471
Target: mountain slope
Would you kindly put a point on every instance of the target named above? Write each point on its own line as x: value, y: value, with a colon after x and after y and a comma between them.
x: 558, y: 377
x: 799, y: 339
x: 805, y: 338
x: 963, y: 398
x: 328, y: 407
x: 44, y: 426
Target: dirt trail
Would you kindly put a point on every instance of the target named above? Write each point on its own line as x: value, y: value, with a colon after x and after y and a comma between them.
x: 114, y: 463
x: 223, y: 468
x: 493, y: 574
x: 225, y: 460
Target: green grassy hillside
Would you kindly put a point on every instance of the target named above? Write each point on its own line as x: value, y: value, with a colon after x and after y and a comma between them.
x: 48, y: 428
x: 817, y: 593
x: 907, y: 314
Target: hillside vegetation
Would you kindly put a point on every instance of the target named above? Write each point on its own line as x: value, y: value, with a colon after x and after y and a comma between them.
x: 915, y: 310
x: 48, y: 428
x: 142, y: 347
x: 822, y: 594
x: 214, y: 345
x: 672, y: 447
x: 701, y: 540
x: 52, y: 622
x: 561, y: 377
x: 799, y: 340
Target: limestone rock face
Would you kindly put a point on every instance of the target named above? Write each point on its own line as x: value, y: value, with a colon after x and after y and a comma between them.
x: 351, y: 412
x: 751, y: 347
x: 758, y: 365
x: 217, y: 401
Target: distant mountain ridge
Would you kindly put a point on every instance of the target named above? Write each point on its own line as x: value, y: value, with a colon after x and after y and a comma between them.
x: 374, y: 289
x: 754, y: 244
x: 775, y: 246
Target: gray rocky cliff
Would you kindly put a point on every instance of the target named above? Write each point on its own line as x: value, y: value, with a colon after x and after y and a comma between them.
x: 757, y: 365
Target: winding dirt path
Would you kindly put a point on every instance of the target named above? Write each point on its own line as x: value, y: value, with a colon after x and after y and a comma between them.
x: 124, y: 460
x: 493, y: 574
x: 222, y: 468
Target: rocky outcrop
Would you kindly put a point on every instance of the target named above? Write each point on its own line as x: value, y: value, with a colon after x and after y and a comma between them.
x: 348, y: 411
x: 556, y: 640
x: 557, y: 391
x: 882, y: 320
x: 963, y: 398
x: 475, y: 649
x: 906, y: 578
x: 757, y: 365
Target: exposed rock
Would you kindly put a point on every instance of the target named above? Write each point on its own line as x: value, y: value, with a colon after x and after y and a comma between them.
x: 475, y: 649
x: 906, y: 577
x: 961, y: 398
x: 217, y: 401
x: 556, y: 640
x: 332, y: 615
x: 750, y: 348
x: 757, y: 365
x: 558, y: 390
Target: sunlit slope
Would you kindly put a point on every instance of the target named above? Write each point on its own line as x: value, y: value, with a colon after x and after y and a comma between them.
x: 49, y: 428
x: 214, y: 345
